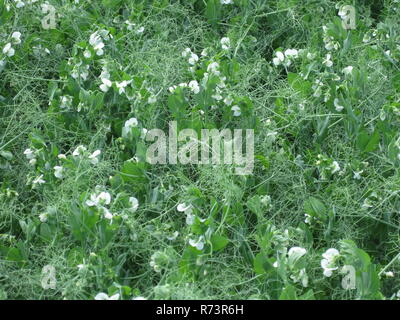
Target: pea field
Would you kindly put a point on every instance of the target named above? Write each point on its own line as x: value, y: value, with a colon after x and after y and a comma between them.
x: 117, y: 176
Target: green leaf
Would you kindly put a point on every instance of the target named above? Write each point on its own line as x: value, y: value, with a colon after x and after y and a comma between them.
x: 367, y: 143
x: 322, y: 127
x: 255, y: 205
x: 177, y: 104
x: 16, y: 254
x: 6, y: 154
x: 37, y: 140
x: 45, y: 232
x: 264, y: 161
x: 288, y: 293
x: 213, y: 11
x: 133, y: 172
x: 218, y: 242
x: 260, y: 263
x: 367, y: 279
x: 299, y: 84
x: 187, y: 265
x: 362, y: 139
x: 373, y: 142
x: 315, y: 208
x: 309, y: 295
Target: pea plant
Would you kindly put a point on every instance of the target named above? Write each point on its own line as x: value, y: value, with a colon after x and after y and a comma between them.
x: 87, y: 89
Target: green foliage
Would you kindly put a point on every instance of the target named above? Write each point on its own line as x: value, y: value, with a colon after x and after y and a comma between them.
x: 76, y: 192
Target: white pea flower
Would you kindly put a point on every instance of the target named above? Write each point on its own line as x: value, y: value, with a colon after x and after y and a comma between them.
x: 266, y: 200
x: 87, y: 54
x: 16, y: 37
x: 99, y: 48
x: 348, y: 70
x: 291, y: 53
x: 328, y: 263
x: 81, y: 266
x: 19, y: 3
x: 106, y: 84
x: 38, y: 180
x: 308, y: 218
x: 104, y: 296
x: 186, y: 52
x: 335, y: 167
x: 134, y: 204
x: 140, y: 30
x: 183, y: 207
x: 58, y: 172
x: 193, y: 59
x: 129, y: 124
x: 295, y: 253
x: 94, y: 157
x: 132, y: 122
x: 279, y: 58
x: 194, y: 86
x: 198, y: 244
x: 228, y: 101
x: 225, y: 43
x: 236, y: 111
x: 327, y: 61
x: 122, y: 85
x: 43, y: 217
x: 130, y: 25
x: 213, y: 68
x: 186, y: 208
x: 337, y: 105
x: 389, y: 274
x: 103, y: 198
x: 8, y: 50
x: 65, y: 102
x: 79, y: 151
x: 357, y: 174
x: 107, y: 214
x: 226, y: 1
x: 29, y: 153
x: 97, y: 43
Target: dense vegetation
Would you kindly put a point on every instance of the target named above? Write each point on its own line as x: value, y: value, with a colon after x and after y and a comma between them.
x: 318, y: 218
